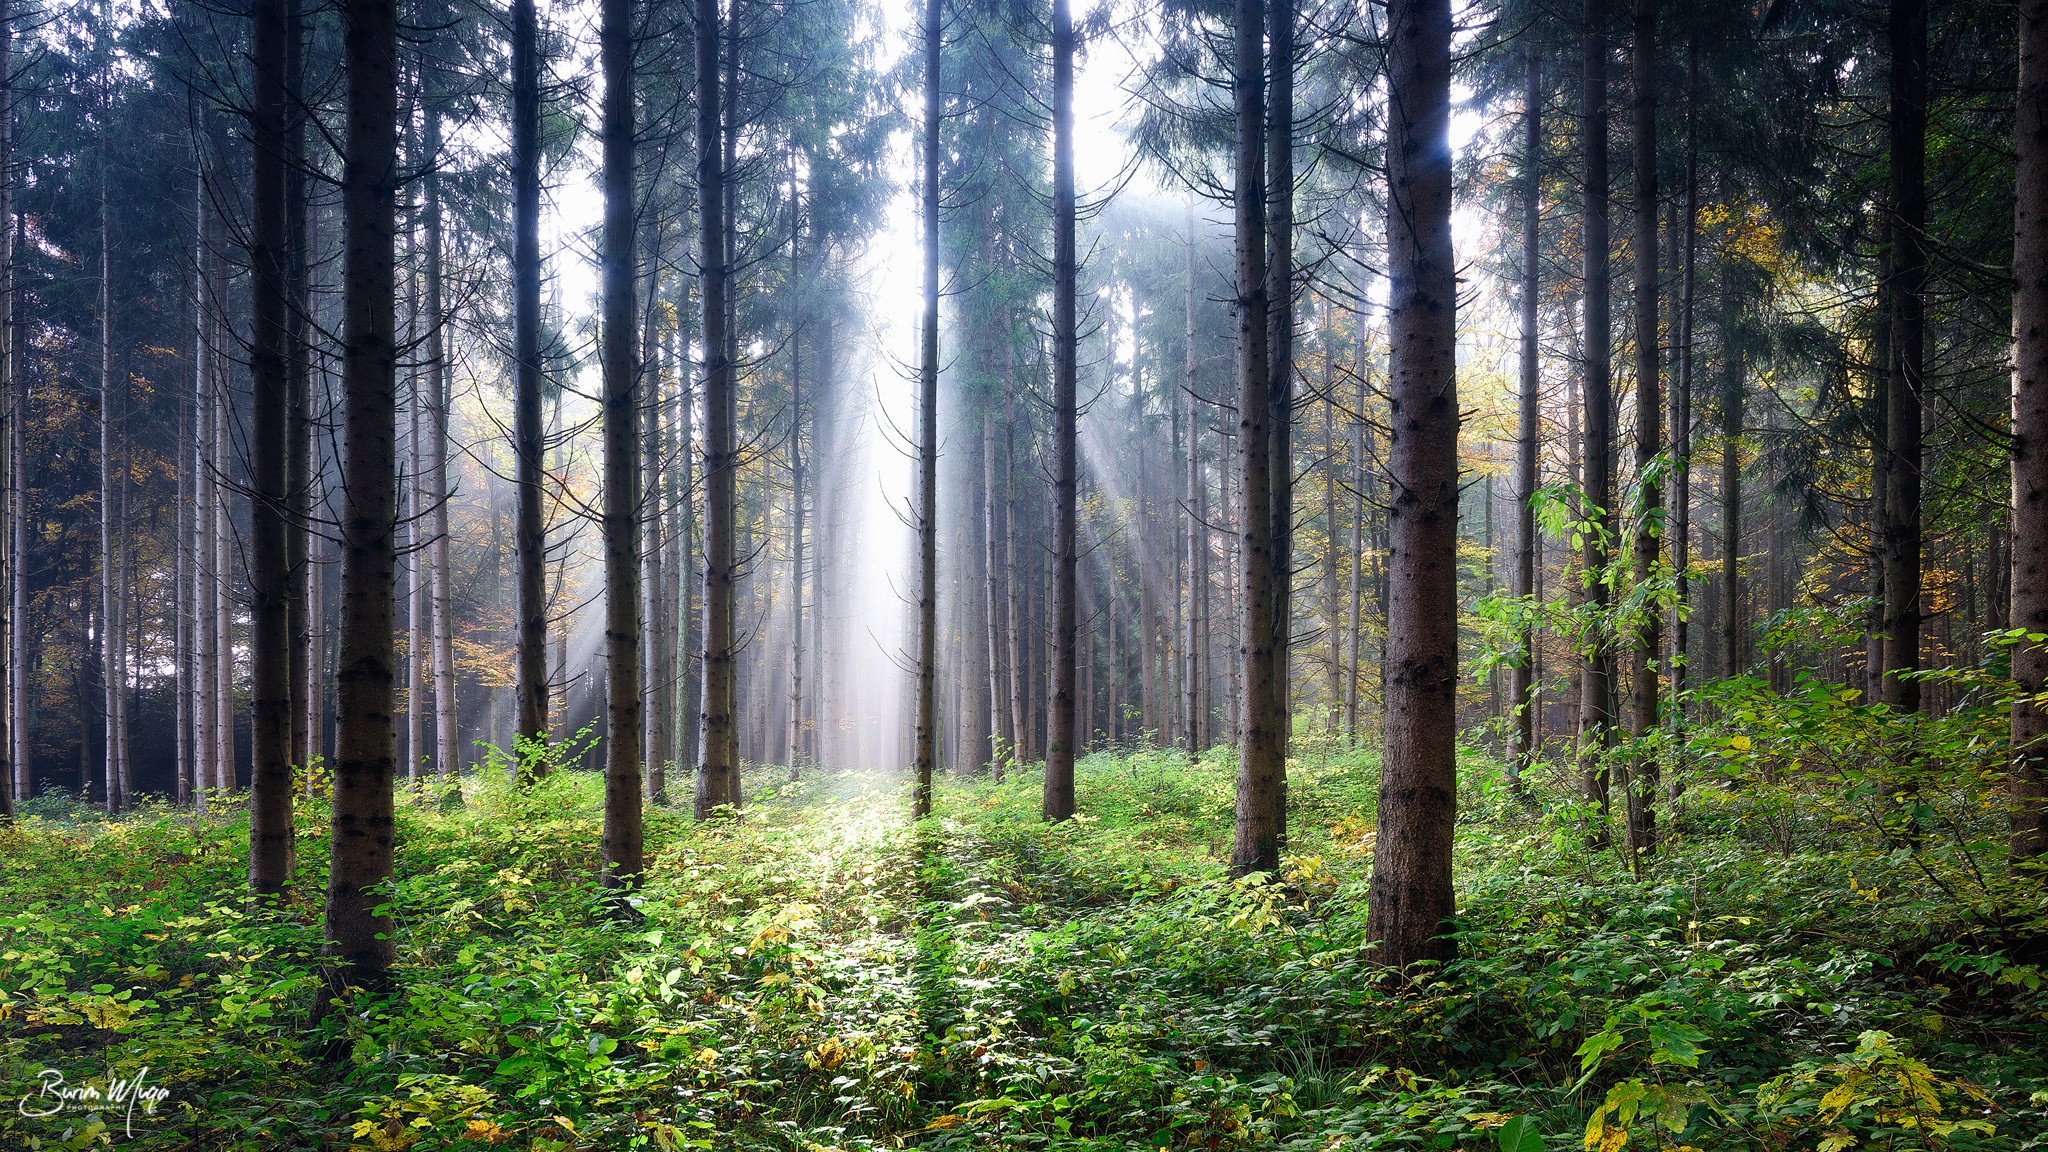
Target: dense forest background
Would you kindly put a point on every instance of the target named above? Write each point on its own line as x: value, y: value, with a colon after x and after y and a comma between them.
x: 808, y: 574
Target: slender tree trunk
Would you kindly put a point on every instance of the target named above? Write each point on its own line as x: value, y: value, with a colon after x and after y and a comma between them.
x: 1361, y: 462
x: 928, y: 416
x: 657, y: 682
x: 115, y: 635
x: 1279, y: 258
x: 1681, y: 411
x: 994, y: 597
x: 222, y: 541
x: 203, y: 587
x: 1528, y: 420
x: 796, y: 512
x: 1733, y: 627
x: 270, y: 709
x: 1907, y: 33
x: 1643, y: 769
x: 359, y: 931
x: 1597, y: 714
x: 1061, y: 743
x: 2029, y: 780
x: 1880, y: 467
x: 416, y: 578
x: 447, y: 754
x: 718, y: 764
x: 529, y: 536
x: 1411, y: 897
x: 304, y: 685
x: 1016, y: 582
x: 16, y: 778
x: 1260, y: 828
x: 1195, y: 495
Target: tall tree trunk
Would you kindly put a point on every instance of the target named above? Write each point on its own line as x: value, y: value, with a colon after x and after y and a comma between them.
x: 270, y: 640
x: 1880, y: 467
x: 1260, y: 827
x: 1643, y: 768
x: 359, y: 931
x: 111, y: 600
x: 1596, y: 712
x: 1411, y: 897
x: 1733, y: 626
x: 16, y: 778
x: 928, y: 416
x: 997, y: 579
x: 1061, y: 742
x: 1907, y: 33
x: 2029, y: 780
x: 657, y: 682
x: 529, y: 536
x: 1528, y: 429
x: 1017, y: 581
x: 304, y: 680
x: 718, y: 756
x: 221, y: 539
x: 796, y: 510
x: 1195, y: 495
x: 203, y: 588
x: 687, y: 667
x: 1279, y: 193
x: 1681, y: 410
x: 621, y: 427
x: 447, y: 761
x: 415, y: 576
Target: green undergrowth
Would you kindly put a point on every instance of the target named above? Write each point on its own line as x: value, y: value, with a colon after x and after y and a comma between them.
x: 816, y: 975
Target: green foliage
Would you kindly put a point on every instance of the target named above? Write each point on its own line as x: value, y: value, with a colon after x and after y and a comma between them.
x: 819, y: 975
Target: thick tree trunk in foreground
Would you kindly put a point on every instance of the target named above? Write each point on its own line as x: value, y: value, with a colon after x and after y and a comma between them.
x: 1640, y: 799
x: 270, y: 709
x: 1279, y: 181
x: 1528, y: 423
x: 928, y: 412
x: 718, y: 768
x: 358, y: 935
x: 1062, y: 738
x: 1908, y: 40
x: 529, y: 537
x: 620, y: 337
x: 1260, y: 829
x: 2029, y: 782
x: 1411, y: 891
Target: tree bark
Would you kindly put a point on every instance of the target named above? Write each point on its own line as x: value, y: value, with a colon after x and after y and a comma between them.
x: 2029, y: 779
x: 718, y: 763
x: 1411, y: 895
x: 529, y: 536
x: 1528, y: 430
x: 1260, y: 827
x: 1733, y: 626
x: 270, y: 708
x: 113, y: 681
x: 1681, y: 408
x: 1195, y: 493
x: 621, y: 428
x: 1061, y: 741
x: 359, y: 933
x: 928, y: 409
x: 447, y: 753
x: 1907, y: 36
x: 1640, y: 801
x: 1597, y: 710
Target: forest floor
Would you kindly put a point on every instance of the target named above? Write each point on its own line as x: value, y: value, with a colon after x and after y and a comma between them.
x: 817, y: 976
